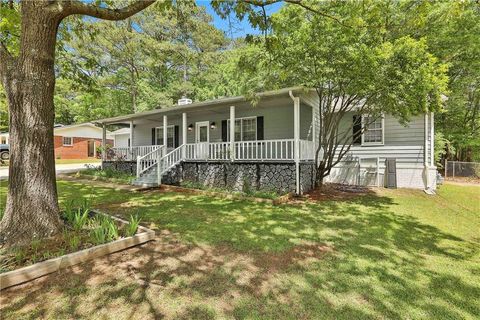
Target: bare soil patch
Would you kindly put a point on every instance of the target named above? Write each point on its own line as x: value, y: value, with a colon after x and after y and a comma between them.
x: 338, y: 192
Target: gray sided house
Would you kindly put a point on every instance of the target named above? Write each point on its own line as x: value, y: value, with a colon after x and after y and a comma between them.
x: 271, y: 146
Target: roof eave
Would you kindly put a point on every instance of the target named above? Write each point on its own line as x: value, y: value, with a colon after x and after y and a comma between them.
x: 134, y: 116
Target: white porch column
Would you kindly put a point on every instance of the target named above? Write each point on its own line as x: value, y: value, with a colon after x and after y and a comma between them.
x: 232, y: 133
x: 165, y: 124
x: 432, y: 140
x: 296, y: 137
x: 104, y: 142
x: 184, y: 134
x: 314, y: 133
x: 131, y: 134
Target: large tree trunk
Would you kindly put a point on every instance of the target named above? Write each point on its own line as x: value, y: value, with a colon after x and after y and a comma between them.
x: 32, y: 207
x: 29, y: 80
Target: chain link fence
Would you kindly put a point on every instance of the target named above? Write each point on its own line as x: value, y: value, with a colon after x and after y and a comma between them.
x: 462, y: 170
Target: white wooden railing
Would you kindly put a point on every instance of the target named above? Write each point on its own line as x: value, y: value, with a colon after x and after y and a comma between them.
x: 149, y: 160
x: 132, y: 153
x: 307, y: 150
x: 260, y: 150
x: 265, y: 150
x: 170, y: 159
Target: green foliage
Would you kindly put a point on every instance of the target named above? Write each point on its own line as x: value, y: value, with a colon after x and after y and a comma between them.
x: 80, y: 218
x: 132, y: 226
x: 441, y: 147
x: 73, y: 241
x: 107, y: 174
x: 105, y: 230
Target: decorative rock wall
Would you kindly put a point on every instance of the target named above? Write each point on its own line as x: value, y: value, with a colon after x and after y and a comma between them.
x: 236, y: 176
x: 240, y: 176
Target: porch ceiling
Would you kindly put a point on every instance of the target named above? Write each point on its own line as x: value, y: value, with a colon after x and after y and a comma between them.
x: 268, y: 98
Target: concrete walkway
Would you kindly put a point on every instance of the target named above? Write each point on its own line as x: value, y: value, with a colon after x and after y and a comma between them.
x: 59, y: 168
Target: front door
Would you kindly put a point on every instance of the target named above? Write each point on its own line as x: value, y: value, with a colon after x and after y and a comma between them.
x: 91, y: 148
x: 202, y: 137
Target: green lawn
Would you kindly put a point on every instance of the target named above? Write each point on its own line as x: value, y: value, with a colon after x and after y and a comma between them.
x: 397, y: 254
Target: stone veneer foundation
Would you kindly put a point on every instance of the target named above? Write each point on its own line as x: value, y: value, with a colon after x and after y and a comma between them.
x: 236, y: 176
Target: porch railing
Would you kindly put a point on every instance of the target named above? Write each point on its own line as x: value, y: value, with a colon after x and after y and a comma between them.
x: 149, y: 160
x: 307, y: 150
x: 171, y: 159
x: 132, y: 153
x: 259, y: 150
x: 265, y: 150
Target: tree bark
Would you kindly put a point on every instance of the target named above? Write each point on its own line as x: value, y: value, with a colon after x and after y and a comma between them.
x: 32, y: 208
x: 32, y: 205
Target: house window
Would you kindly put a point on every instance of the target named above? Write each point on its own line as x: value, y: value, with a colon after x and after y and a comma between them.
x: 245, y: 129
x: 170, y: 136
x: 67, y: 141
x: 373, y: 133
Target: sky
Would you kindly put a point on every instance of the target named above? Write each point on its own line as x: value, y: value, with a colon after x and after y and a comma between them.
x: 242, y: 28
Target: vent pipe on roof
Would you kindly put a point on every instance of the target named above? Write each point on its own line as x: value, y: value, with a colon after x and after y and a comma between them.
x: 184, y: 100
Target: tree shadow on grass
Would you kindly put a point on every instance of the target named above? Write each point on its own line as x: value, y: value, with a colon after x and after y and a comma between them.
x: 332, y: 260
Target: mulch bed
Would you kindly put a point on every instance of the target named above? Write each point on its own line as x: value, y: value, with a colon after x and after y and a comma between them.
x: 338, y: 192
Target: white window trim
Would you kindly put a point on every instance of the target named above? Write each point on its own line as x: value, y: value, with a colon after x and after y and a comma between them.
x: 241, y: 128
x: 66, y: 144
x: 365, y: 143
x: 156, y: 134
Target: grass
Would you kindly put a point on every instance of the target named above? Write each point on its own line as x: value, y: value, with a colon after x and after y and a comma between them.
x: 395, y: 255
x: 245, y: 193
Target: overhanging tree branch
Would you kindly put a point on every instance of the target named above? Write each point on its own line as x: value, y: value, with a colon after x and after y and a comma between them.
x: 67, y: 8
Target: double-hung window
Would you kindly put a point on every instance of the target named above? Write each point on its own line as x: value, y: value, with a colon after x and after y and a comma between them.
x: 67, y: 141
x: 245, y: 129
x: 373, y: 130
x: 170, y: 136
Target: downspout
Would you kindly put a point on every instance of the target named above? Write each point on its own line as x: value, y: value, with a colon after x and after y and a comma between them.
x: 296, y: 136
x: 425, y: 154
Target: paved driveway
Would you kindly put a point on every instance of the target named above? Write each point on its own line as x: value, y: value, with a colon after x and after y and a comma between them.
x: 59, y: 168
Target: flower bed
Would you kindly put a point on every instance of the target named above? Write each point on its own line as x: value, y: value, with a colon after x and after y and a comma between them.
x: 87, y: 234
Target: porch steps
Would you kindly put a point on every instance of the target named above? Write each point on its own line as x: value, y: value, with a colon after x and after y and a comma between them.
x: 149, y: 178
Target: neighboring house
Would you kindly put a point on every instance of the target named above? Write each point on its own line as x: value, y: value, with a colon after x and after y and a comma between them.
x: 270, y: 147
x: 121, y: 138
x: 78, y: 141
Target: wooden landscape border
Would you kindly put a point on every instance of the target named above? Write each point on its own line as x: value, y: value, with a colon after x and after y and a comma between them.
x: 224, y: 195
x: 40, y: 269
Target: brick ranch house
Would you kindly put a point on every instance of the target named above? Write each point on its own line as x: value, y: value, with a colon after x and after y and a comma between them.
x: 78, y: 141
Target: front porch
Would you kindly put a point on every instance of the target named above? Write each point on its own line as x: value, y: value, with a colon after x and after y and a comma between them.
x: 280, y: 129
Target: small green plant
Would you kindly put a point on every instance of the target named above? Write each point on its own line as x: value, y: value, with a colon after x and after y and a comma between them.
x: 69, y: 212
x: 98, y: 235
x: 80, y: 219
x: 105, y: 230
x: 20, y: 255
x: 74, y: 241
x: 132, y: 226
x: 111, y: 228
x: 35, y: 245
